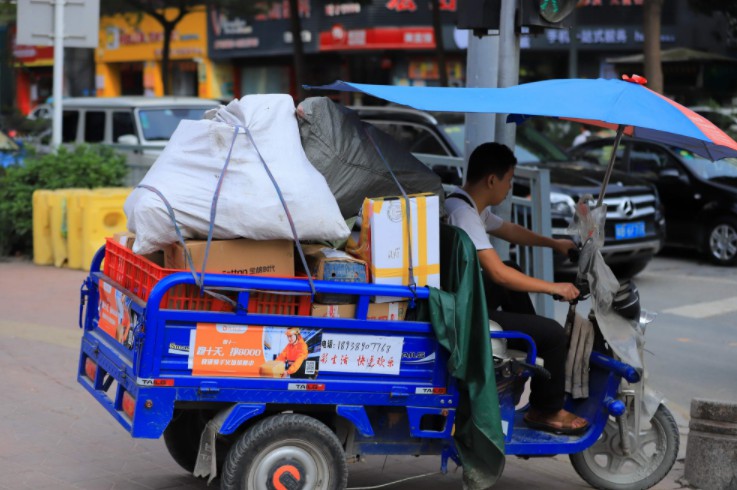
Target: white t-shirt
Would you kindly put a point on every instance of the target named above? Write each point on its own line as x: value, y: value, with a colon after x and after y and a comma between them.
x: 466, y: 217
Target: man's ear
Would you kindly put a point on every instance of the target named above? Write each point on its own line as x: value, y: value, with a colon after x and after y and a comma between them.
x: 491, y: 180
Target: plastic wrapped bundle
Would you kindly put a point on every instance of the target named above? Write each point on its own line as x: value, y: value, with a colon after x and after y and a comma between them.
x: 344, y: 149
x: 187, y: 175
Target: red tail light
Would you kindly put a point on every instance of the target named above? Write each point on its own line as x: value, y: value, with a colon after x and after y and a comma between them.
x: 90, y: 368
x: 129, y: 404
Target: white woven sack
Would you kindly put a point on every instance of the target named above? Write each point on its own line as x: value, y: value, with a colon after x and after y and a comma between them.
x: 187, y: 172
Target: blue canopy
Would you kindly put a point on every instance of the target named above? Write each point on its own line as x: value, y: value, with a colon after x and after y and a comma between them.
x: 605, y: 103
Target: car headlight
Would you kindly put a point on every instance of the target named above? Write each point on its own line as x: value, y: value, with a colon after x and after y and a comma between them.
x: 562, y: 205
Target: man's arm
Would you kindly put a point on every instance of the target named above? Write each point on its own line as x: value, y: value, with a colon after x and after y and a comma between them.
x: 515, y: 280
x: 520, y: 235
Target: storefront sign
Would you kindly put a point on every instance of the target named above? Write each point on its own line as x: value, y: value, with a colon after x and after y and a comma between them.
x: 337, y: 26
x: 122, y: 39
x: 593, y: 38
x: 339, y: 38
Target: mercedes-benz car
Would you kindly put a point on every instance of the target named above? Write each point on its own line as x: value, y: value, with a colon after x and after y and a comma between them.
x: 634, y: 224
x: 699, y: 196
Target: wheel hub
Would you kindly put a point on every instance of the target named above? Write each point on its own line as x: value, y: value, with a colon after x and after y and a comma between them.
x: 723, y: 242
x: 286, y: 475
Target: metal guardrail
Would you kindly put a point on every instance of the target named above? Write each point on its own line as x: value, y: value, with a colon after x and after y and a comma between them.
x: 532, y: 213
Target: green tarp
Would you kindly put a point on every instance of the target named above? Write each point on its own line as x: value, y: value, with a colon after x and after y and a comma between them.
x: 459, y: 317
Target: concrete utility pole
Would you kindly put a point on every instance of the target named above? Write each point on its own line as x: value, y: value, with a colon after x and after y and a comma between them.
x: 493, y: 61
x: 58, y: 73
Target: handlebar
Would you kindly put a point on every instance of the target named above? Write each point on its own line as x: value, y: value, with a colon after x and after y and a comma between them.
x: 574, y: 255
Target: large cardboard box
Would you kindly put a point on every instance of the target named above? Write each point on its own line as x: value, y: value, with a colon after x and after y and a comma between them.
x: 329, y: 264
x: 388, y: 225
x: 238, y: 256
x: 396, y: 310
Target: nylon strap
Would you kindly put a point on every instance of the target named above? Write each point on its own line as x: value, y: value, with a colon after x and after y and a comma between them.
x: 286, y: 210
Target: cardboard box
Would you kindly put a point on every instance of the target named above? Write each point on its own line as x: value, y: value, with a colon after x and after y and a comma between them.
x: 238, y: 256
x: 389, y: 248
x: 396, y: 310
x: 271, y: 369
x: 329, y: 264
x: 125, y: 238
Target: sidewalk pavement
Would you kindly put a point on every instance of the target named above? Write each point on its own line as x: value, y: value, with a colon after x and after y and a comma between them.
x: 54, y: 435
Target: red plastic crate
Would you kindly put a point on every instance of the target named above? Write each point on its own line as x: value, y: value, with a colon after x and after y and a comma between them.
x: 139, y: 275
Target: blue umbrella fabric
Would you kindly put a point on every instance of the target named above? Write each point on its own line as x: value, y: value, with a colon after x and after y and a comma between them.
x: 604, y: 103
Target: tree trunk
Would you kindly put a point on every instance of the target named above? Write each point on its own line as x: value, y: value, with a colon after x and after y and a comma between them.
x: 651, y: 24
x: 439, y: 47
x: 299, y: 56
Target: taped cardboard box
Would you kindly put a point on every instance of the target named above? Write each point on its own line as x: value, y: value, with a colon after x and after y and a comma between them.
x: 238, y: 256
x: 396, y: 310
x: 385, y: 239
x: 329, y: 264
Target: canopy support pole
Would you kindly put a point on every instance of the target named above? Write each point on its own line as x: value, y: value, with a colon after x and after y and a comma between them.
x: 610, y: 167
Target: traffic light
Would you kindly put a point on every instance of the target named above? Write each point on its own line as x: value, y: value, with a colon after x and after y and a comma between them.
x: 545, y: 13
x: 479, y: 15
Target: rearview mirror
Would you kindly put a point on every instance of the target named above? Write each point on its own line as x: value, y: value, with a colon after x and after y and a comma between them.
x: 128, y: 139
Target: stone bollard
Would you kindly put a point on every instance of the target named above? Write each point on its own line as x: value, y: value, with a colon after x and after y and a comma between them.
x: 711, y: 451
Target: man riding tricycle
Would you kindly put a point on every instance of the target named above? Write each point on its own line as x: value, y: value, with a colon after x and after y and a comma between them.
x: 409, y: 365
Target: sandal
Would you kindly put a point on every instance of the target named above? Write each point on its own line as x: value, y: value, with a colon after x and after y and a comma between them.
x: 566, y: 429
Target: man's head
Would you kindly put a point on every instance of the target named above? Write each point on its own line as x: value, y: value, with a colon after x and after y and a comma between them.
x: 491, y: 167
x: 292, y: 334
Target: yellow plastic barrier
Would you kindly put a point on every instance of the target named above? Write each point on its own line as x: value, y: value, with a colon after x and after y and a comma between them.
x: 58, y: 200
x: 43, y: 254
x: 101, y: 216
x: 75, y: 252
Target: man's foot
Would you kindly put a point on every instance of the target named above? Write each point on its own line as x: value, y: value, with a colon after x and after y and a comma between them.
x: 560, y: 422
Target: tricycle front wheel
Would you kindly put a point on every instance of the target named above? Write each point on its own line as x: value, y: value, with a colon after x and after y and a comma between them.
x: 286, y: 451
x: 604, y: 465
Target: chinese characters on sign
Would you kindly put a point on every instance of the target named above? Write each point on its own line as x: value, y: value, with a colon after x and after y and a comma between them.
x: 226, y: 350
x: 360, y: 354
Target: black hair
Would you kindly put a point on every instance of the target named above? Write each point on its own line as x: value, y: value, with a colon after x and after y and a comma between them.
x: 489, y: 159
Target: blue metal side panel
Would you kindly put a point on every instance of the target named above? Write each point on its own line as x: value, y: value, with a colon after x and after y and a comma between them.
x: 156, y: 372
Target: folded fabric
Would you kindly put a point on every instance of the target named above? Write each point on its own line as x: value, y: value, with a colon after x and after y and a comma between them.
x: 579, y: 352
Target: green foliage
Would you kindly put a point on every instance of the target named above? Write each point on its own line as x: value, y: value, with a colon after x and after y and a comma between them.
x: 86, y: 166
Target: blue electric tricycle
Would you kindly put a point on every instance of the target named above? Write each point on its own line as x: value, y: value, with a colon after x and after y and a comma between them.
x: 204, y: 381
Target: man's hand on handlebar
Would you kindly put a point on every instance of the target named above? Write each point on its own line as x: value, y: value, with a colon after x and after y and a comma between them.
x: 564, y: 291
x: 564, y: 245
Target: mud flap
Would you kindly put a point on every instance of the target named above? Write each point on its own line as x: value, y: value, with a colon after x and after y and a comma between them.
x: 206, y: 465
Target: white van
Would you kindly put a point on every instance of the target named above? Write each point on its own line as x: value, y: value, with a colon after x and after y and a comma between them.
x: 139, y: 126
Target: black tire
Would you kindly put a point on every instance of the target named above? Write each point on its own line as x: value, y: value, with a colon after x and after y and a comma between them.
x: 720, y: 241
x: 182, y: 436
x: 604, y: 466
x: 294, y: 445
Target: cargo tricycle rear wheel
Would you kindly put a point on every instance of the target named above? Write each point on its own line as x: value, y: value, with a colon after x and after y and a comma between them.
x: 286, y: 451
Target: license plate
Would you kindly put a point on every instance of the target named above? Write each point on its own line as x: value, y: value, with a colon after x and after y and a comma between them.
x: 626, y: 231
